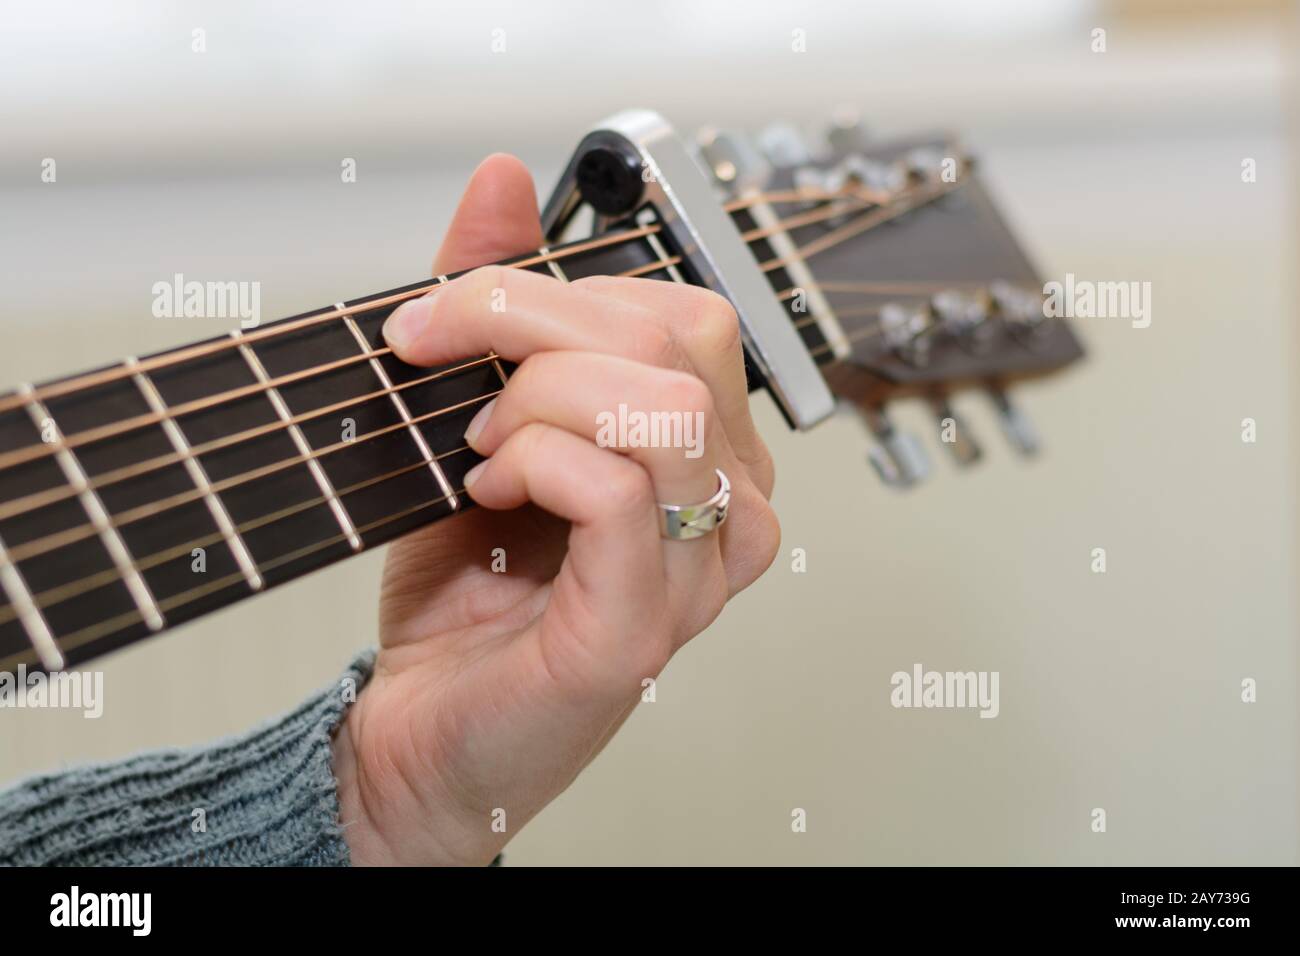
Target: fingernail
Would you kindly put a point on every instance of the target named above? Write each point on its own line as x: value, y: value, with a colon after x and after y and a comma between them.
x: 472, y: 475
x: 478, y: 422
x: 405, y: 323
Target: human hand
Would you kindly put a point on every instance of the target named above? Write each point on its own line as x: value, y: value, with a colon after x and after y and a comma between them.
x: 492, y: 691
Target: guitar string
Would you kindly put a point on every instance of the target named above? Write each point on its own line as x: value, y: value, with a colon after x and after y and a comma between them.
x: 867, y: 220
x: 650, y: 267
x: 100, y: 433
x: 121, y: 621
x: 866, y: 331
x: 61, y: 592
x: 98, y: 482
x: 871, y: 287
x: 114, y: 429
x: 60, y: 539
x: 52, y: 596
x: 202, y: 349
x: 43, y: 449
x: 91, y: 380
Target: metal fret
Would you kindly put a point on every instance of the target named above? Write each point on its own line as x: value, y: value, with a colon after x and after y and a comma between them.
x: 30, y: 616
x: 99, y: 518
x: 405, y: 413
x: 765, y: 217
x: 645, y: 218
x: 300, y: 441
x: 199, y: 476
x: 552, y: 264
x: 248, y: 522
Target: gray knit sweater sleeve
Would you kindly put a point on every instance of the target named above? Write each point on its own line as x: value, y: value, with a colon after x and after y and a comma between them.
x: 265, y: 798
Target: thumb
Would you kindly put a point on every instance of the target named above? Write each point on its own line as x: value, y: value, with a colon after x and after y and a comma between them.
x: 497, y: 217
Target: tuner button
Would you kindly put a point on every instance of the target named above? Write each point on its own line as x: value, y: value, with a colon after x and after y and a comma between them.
x: 908, y: 329
x: 924, y: 164
x: 1024, y: 310
x: 953, y: 433
x: 897, y: 457
x: 845, y: 134
x: 734, y: 161
x: 875, y: 174
x: 1017, y: 427
x: 966, y: 316
x: 784, y: 146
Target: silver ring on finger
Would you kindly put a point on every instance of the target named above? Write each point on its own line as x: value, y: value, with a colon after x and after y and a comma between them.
x: 683, y: 522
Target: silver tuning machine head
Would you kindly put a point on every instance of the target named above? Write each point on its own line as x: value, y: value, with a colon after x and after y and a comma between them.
x: 1017, y: 427
x: 845, y: 134
x: 954, y: 434
x: 784, y: 146
x: 1023, y: 310
x: 909, y: 330
x: 897, y: 456
x: 967, y: 317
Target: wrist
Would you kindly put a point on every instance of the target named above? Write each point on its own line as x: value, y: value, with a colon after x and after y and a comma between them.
x: 398, y: 824
x: 364, y: 847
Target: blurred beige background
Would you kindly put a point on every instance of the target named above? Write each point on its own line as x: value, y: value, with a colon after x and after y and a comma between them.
x: 1119, y: 691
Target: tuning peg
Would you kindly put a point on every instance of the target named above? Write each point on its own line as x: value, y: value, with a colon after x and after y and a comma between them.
x: 1020, y: 431
x: 954, y: 433
x: 897, y: 457
x: 966, y: 316
x: 732, y: 160
x: 845, y: 134
x: 1021, y: 308
x: 908, y: 330
x: 784, y: 146
x: 923, y: 164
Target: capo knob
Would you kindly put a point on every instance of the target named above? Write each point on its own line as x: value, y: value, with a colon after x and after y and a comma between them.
x: 897, y: 457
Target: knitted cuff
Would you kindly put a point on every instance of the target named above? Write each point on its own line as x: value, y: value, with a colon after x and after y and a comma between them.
x: 266, y: 798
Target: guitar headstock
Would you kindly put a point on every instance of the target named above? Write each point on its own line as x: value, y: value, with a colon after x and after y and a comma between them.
x: 901, y: 276
x: 862, y: 272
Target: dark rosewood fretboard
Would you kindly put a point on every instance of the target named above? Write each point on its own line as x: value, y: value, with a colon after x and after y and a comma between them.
x: 151, y: 492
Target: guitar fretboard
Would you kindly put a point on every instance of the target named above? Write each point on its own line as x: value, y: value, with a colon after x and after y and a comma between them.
x: 148, y: 493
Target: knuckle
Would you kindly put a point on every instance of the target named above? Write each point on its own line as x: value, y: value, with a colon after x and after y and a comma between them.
x: 714, y: 322
x: 530, y: 440
x: 523, y: 381
x: 625, y: 491
x: 484, y: 282
x: 528, y: 374
x: 655, y: 345
x: 683, y: 392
